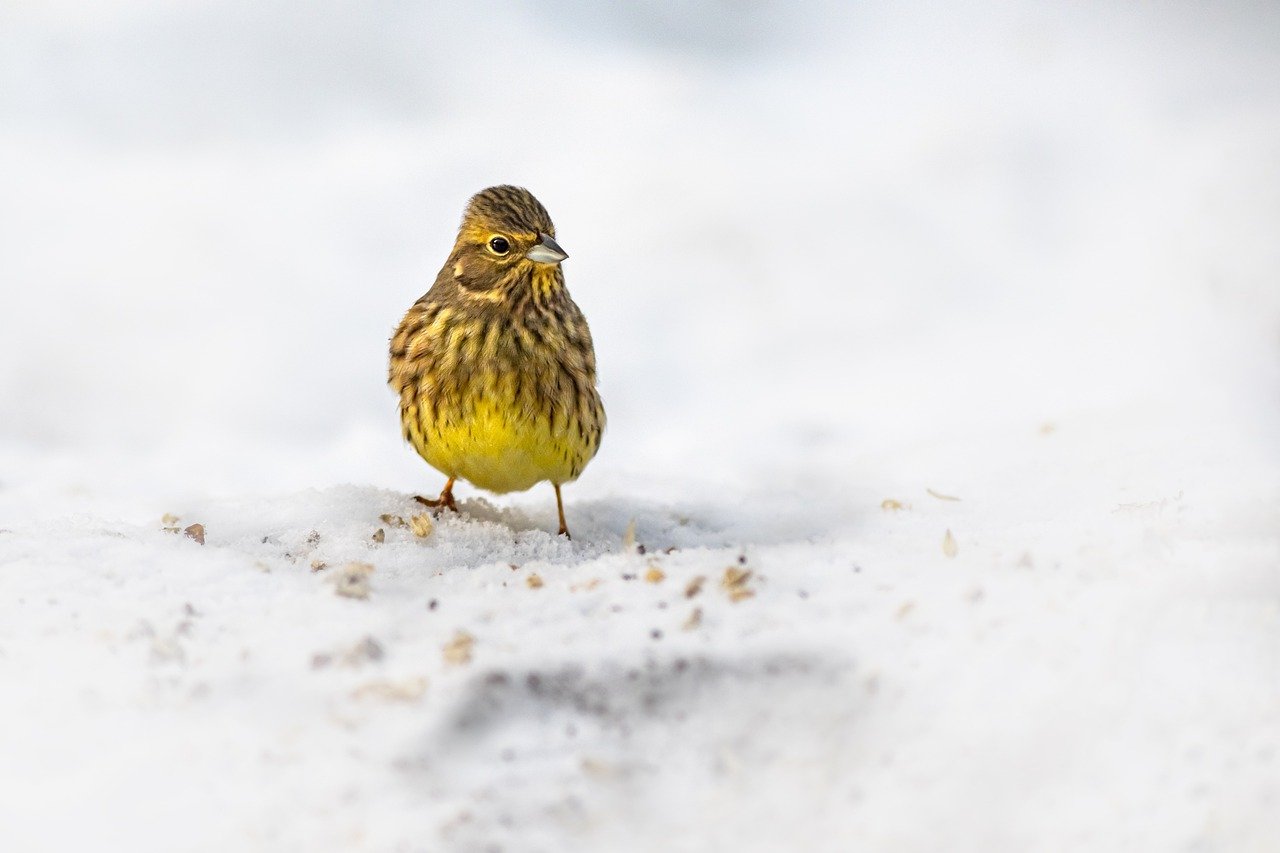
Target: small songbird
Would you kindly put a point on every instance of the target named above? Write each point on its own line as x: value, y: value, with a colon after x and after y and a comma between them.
x: 494, y: 366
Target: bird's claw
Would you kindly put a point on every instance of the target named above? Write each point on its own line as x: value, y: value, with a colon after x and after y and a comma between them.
x: 445, y: 501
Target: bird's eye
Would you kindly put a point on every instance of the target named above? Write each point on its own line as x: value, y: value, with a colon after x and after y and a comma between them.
x: 499, y: 245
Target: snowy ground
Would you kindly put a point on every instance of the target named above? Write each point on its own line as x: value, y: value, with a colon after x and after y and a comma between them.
x: 1014, y: 269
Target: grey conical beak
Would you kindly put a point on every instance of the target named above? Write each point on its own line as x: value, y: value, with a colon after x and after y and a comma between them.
x: 547, y: 251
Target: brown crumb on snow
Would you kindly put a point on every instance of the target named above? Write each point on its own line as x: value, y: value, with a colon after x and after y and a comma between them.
x: 655, y: 575
x: 734, y: 583
x: 319, y: 565
x: 379, y: 536
x: 534, y: 581
x: 600, y: 769
x: 352, y: 580
x: 891, y: 505
x: 458, y: 649
x: 194, y: 531
x: 366, y: 651
x: 694, y: 586
x: 694, y: 620
x: 362, y: 652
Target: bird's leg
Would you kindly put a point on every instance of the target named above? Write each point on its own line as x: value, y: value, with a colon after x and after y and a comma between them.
x: 564, y: 528
x: 445, y: 500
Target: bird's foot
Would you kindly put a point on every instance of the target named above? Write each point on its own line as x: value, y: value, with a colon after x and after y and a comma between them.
x: 445, y: 501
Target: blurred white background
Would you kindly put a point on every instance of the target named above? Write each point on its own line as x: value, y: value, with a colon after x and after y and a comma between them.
x: 795, y: 231
x: 1024, y: 254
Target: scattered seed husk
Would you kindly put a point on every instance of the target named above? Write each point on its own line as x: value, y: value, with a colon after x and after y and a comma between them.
x: 694, y: 620
x: 903, y: 609
x: 534, y: 581
x: 694, y: 586
x: 592, y: 767
x: 169, y: 519
x: 891, y: 505
x: 458, y: 649
x: 379, y: 536
x: 313, y: 538
x: 393, y: 520
x: 734, y: 583
x: 949, y: 546
x: 629, y: 537
x: 368, y: 649
x: 655, y: 575
x: 352, y: 580
x: 319, y: 565
x: 589, y: 584
x: 194, y: 531
x: 408, y: 690
x: 422, y: 525
x: 941, y: 496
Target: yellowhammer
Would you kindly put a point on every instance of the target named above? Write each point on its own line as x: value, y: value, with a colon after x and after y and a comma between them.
x: 494, y: 366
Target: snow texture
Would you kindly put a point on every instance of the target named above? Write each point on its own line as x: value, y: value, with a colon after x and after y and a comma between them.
x: 956, y: 326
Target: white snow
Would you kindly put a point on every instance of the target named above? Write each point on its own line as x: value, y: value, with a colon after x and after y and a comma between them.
x: 1017, y: 255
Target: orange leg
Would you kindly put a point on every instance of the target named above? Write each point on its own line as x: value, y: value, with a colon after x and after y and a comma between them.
x: 445, y: 500
x: 564, y: 528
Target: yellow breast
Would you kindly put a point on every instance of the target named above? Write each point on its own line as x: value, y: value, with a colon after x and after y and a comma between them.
x: 499, y: 393
x: 496, y: 446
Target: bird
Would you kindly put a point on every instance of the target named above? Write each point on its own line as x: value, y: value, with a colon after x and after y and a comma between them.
x: 494, y: 366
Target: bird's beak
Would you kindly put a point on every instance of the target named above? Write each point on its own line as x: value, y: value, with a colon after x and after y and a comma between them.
x: 547, y: 251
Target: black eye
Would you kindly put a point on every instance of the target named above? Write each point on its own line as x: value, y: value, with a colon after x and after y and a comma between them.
x: 499, y: 245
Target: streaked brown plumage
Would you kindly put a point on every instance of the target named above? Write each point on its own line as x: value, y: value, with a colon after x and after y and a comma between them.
x: 495, y: 366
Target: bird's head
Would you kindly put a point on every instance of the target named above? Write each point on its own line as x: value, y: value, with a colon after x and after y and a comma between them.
x: 506, y: 233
